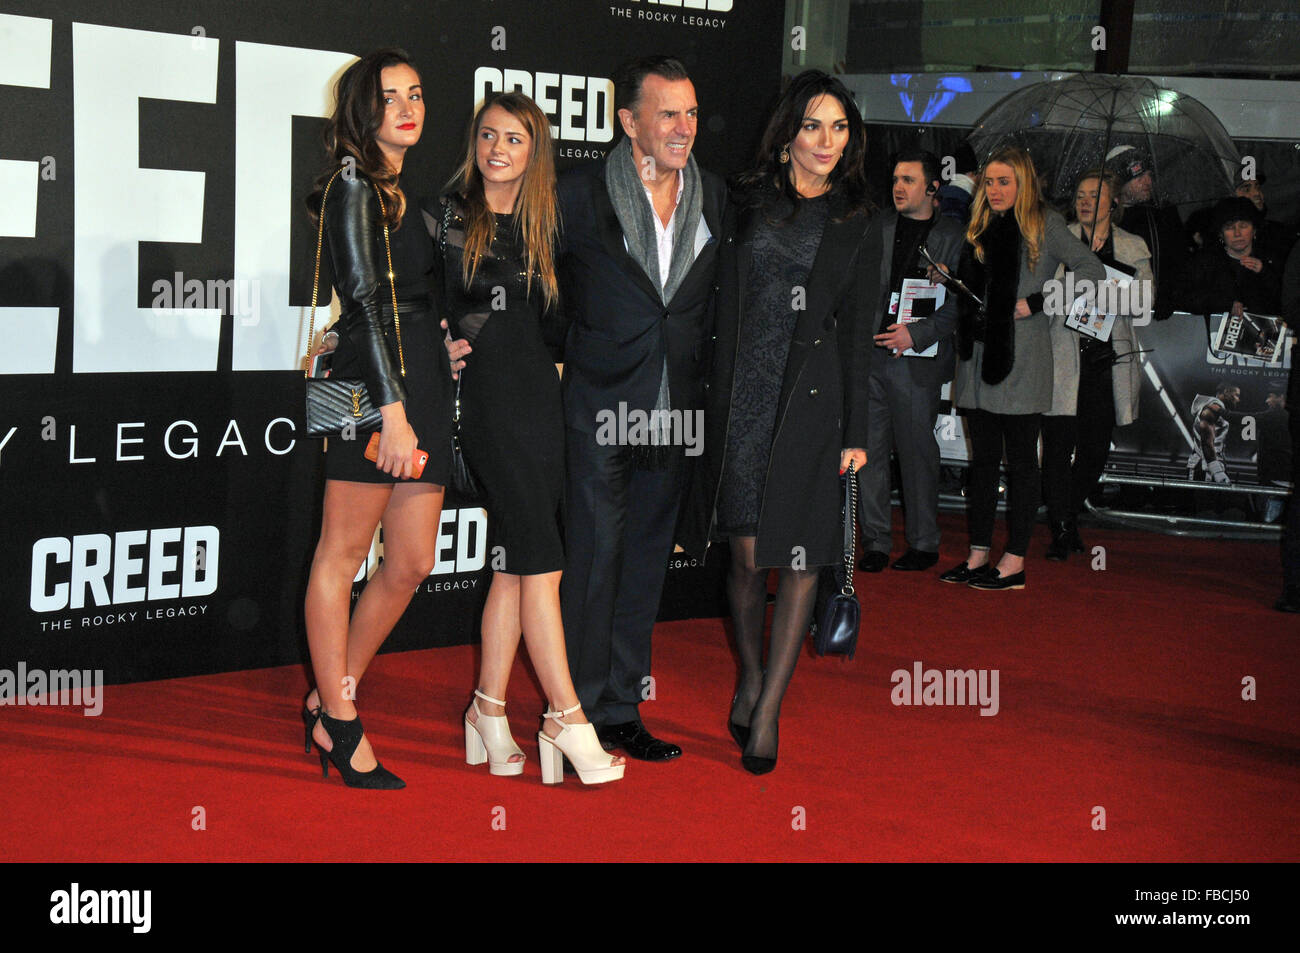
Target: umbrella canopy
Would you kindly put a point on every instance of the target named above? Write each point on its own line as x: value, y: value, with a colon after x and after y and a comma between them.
x: 1071, y: 125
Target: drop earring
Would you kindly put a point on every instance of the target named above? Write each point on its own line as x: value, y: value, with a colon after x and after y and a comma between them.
x: 784, y: 157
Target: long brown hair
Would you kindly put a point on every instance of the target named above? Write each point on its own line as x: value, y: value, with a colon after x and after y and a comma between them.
x: 536, y: 216
x: 849, y: 175
x: 1028, y: 208
x: 351, y: 130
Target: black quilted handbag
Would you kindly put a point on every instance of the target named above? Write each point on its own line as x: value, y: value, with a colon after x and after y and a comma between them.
x: 334, y: 405
x: 342, y: 405
x: 837, y: 615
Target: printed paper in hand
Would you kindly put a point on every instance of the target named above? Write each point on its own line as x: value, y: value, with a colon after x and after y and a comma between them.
x: 1088, y: 319
x: 920, y: 299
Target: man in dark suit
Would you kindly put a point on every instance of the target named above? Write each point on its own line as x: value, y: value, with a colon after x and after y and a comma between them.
x: 636, y: 267
x: 903, y: 389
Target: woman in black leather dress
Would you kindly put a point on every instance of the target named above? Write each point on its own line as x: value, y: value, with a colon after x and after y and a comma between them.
x: 496, y: 227
x: 798, y: 275
x: 367, y: 219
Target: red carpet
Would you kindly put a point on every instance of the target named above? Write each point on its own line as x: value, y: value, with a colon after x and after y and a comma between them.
x: 1120, y: 689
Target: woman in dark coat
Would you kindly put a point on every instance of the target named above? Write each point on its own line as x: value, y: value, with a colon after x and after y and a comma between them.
x: 1232, y: 273
x: 1015, y: 244
x: 787, y: 402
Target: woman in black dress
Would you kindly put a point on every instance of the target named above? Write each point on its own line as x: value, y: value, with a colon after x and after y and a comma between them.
x: 496, y: 227
x: 368, y: 220
x: 798, y: 275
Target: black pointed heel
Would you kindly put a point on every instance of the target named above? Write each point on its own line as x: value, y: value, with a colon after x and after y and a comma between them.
x: 739, y: 732
x: 309, y: 718
x: 757, y: 764
x: 346, y: 735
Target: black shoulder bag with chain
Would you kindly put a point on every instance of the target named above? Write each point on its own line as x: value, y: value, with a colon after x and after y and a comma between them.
x: 838, y: 616
x: 338, y: 404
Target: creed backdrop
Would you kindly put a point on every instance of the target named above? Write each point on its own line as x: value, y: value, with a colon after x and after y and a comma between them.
x: 160, y: 501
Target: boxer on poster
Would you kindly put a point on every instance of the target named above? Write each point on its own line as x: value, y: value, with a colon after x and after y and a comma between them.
x: 636, y: 262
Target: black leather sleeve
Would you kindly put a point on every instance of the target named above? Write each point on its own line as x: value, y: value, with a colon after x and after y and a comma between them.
x: 354, y: 235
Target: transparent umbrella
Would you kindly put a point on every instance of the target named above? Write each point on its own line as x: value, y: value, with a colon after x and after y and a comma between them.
x: 1072, y: 125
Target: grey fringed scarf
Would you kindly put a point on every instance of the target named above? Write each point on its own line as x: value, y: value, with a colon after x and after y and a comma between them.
x: 636, y: 217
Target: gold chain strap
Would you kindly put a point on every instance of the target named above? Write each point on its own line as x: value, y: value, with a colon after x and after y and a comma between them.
x: 315, y: 280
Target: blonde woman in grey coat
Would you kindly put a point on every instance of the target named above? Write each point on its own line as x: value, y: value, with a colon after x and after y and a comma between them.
x: 1097, y: 382
x: 1015, y: 246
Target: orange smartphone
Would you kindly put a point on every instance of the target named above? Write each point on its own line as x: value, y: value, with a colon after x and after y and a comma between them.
x: 418, y: 459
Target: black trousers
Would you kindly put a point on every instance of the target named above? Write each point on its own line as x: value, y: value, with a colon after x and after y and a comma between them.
x: 989, y: 433
x: 1087, y: 435
x: 618, y: 535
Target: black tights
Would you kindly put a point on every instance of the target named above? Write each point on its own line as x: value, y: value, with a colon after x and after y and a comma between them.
x: 760, y: 690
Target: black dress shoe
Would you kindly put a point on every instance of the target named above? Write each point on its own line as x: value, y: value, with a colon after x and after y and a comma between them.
x: 1072, y: 537
x: 873, y: 561
x: 960, y: 574
x: 1058, y: 550
x: 915, y: 560
x: 1290, y: 600
x: 632, y: 737
x: 995, y: 581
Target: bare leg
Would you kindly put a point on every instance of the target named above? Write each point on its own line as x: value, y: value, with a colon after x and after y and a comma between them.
x: 339, y: 648
x: 1010, y: 564
x: 500, y: 634
x: 539, y: 608
x: 350, y: 513
x: 536, y: 610
x: 747, y: 593
x: 410, y: 550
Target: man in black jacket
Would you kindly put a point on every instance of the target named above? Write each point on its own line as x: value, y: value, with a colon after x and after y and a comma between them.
x: 1158, y: 225
x: 636, y: 267
x: 906, y: 378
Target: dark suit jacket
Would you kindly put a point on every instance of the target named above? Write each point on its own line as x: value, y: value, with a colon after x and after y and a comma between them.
x: 619, y: 327
x: 823, y: 404
x: 944, y: 243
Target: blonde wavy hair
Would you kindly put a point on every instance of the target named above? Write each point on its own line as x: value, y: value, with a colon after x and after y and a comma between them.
x: 1028, y: 208
x: 537, y: 217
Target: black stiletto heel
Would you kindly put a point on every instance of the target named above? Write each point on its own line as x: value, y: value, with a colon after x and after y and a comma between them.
x: 739, y: 733
x: 757, y: 764
x: 346, y: 735
x: 309, y: 718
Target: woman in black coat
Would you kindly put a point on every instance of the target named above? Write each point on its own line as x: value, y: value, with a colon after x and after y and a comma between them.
x: 786, y: 408
x: 1232, y: 273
